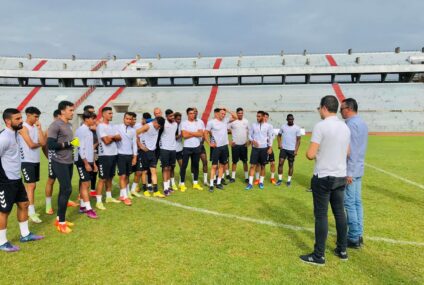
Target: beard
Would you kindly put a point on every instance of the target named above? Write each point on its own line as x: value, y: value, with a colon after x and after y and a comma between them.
x: 17, y: 127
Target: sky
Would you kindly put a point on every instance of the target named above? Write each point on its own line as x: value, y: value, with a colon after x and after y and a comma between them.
x: 98, y: 29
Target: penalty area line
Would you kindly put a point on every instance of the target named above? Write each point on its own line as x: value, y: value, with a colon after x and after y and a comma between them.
x: 395, y: 176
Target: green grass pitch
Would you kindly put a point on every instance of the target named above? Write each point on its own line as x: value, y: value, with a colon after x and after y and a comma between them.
x: 157, y: 243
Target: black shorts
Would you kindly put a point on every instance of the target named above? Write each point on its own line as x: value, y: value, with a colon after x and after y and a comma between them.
x: 30, y: 172
x: 107, y: 166
x: 168, y: 157
x: 271, y: 157
x: 51, y: 173
x: 259, y: 156
x: 11, y: 192
x: 202, y: 149
x: 179, y: 155
x: 287, y: 154
x: 211, y: 153
x: 148, y: 159
x: 239, y: 152
x: 219, y: 154
x: 124, y: 162
x: 138, y: 165
x: 84, y: 175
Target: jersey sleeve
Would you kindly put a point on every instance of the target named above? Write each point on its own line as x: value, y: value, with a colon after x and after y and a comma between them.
x: 281, y: 131
x: 316, y: 134
x: 134, y: 144
x: 3, y: 145
x: 53, y: 131
x: 82, y: 148
x: 250, y: 130
x: 183, y: 126
x: 209, y: 126
x: 101, y: 131
x: 298, y: 132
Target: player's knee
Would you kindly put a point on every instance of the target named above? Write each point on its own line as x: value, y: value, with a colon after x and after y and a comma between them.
x: 23, y: 205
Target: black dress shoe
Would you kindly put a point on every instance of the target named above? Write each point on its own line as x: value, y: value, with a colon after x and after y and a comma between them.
x: 354, y: 245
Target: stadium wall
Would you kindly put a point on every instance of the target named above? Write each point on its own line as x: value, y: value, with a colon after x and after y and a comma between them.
x: 387, y: 107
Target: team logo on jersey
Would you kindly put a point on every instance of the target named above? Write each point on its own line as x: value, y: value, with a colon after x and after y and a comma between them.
x: 3, y: 203
x: 22, y: 153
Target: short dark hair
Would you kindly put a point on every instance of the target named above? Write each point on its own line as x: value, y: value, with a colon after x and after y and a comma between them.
x: 330, y: 102
x: 63, y: 104
x: 160, y: 121
x: 106, y: 109
x: 289, y: 115
x: 88, y: 115
x: 217, y: 110
x: 168, y: 112
x: 261, y: 112
x: 189, y: 109
x: 239, y: 109
x: 266, y: 114
x: 147, y: 115
x: 86, y: 107
x: 131, y: 114
x: 56, y: 113
x: 33, y: 111
x: 177, y: 114
x: 351, y: 104
x: 9, y: 112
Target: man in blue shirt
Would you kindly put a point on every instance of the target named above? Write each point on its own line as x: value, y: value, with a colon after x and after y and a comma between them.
x: 355, y: 171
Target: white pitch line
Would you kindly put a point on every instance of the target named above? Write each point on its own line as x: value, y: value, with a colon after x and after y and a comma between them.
x: 271, y: 223
x: 395, y: 176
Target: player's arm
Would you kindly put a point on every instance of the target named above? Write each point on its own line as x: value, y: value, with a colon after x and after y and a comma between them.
x: 44, y: 147
x: 312, y: 151
x: 106, y: 139
x: 82, y: 151
x: 142, y: 129
x: 270, y: 139
x: 233, y: 115
x: 279, y: 138
x: 298, y: 139
x: 207, y: 137
x: 52, y: 142
x: 41, y: 137
x: 187, y: 134
x: 25, y: 135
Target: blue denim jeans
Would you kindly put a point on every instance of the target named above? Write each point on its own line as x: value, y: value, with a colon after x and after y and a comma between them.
x: 354, y: 210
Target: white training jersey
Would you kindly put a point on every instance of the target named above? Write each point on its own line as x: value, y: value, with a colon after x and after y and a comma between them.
x: 239, y: 131
x: 10, y: 161
x: 290, y: 134
x: 85, y: 150
x: 262, y: 133
x: 167, y: 139
x: 128, y: 144
x: 192, y: 126
x: 30, y: 154
x: 218, y: 130
x: 104, y: 130
x: 150, y: 137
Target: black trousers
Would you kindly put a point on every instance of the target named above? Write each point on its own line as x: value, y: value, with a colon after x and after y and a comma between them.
x: 192, y: 153
x: 327, y: 190
x: 63, y: 173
